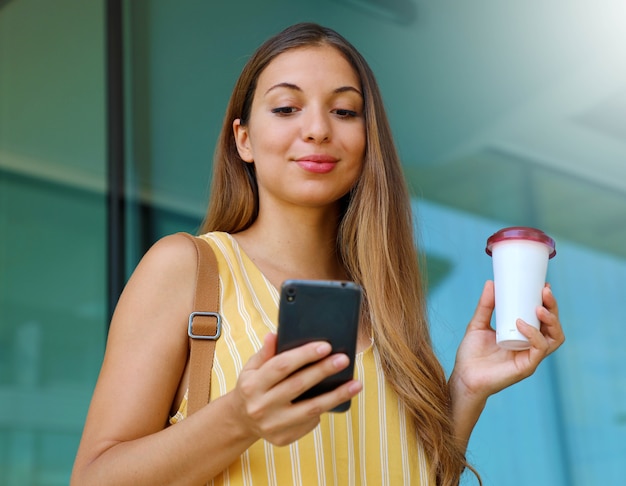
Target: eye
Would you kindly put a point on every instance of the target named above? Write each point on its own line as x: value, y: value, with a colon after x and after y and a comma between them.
x: 345, y: 113
x: 284, y: 110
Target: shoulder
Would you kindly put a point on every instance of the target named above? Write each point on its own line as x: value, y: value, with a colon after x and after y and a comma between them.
x: 172, y: 257
x: 164, y: 279
x: 175, y: 248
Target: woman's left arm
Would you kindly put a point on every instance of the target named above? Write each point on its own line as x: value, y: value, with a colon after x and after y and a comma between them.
x: 482, y: 368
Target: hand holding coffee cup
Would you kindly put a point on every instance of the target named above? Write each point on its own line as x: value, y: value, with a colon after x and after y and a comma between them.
x: 520, y: 262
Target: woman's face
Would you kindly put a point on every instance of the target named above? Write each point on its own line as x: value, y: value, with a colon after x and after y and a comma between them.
x: 306, y: 131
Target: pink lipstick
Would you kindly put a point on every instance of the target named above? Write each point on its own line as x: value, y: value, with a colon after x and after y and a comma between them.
x: 317, y: 163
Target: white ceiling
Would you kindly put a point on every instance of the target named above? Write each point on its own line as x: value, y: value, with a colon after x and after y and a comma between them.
x: 542, y: 79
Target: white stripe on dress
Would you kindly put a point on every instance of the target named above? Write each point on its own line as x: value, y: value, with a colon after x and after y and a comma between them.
x: 424, y: 478
x: 296, y: 474
x: 406, y: 470
x: 240, y: 299
x: 319, y: 456
x: 362, y: 429
x: 350, y: 440
x: 333, y: 449
x: 382, y: 421
x: 252, y: 292
x: 270, y: 464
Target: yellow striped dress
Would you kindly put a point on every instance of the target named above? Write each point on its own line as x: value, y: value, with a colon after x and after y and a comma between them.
x: 371, y: 444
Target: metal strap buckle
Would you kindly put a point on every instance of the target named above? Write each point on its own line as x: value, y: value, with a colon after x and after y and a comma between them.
x: 218, y: 330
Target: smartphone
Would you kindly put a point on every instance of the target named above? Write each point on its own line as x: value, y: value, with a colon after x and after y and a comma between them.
x: 321, y: 310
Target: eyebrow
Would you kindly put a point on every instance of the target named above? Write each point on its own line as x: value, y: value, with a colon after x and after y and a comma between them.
x: 295, y: 87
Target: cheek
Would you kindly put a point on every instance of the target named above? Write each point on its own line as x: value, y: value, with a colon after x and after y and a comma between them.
x: 270, y: 148
x: 360, y: 156
x: 359, y: 137
x: 358, y: 145
x: 357, y: 152
x: 268, y: 139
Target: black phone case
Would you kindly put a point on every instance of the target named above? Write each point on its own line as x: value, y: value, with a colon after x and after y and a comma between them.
x: 321, y: 310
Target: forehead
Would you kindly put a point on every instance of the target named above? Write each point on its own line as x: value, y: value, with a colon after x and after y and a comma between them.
x: 309, y: 65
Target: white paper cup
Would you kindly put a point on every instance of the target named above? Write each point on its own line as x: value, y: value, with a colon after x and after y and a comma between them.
x: 520, y: 262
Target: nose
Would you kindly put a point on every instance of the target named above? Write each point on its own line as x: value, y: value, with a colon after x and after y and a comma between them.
x: 316, y: 126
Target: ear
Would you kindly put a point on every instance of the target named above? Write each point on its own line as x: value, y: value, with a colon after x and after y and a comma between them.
x: 242, y: 139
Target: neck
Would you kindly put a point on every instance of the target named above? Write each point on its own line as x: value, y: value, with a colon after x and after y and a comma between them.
x: 300, y: 245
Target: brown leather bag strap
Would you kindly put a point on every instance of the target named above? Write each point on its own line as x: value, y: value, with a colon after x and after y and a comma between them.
x: 204, y: 326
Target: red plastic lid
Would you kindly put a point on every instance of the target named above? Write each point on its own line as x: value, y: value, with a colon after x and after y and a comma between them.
x: 520, y: 233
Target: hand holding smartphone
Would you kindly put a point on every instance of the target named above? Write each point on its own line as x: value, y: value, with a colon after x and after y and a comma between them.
x: 321, y: 310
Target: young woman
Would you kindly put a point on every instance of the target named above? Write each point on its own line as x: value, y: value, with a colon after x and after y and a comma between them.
x: 307, y: 184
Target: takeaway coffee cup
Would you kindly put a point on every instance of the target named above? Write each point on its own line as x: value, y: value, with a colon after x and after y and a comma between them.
x: 520, y: 262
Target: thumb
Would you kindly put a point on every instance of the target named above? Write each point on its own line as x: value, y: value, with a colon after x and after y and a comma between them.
x: 484, y: 309
x: 267, y: 351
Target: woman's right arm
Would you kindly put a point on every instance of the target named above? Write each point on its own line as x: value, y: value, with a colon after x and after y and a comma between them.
x: 125, y: 440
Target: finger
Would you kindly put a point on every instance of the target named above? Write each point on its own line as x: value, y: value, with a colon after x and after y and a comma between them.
x: 282, y: 365
x: 538, y: 342
x: 549, y: 301
x: 551, y: 329
x: 267, y: 351
x: 269, y: 346
x: 315, y: 406
x: 306, y: 378
x: 549, y: 317
x: 529, y: 359
x: 484, y: 309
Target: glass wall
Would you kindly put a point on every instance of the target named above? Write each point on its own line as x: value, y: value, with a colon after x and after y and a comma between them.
x: 52, y: 232
x: 504, y: 114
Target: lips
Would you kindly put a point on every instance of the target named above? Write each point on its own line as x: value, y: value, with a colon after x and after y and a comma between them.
x: 317, y: 163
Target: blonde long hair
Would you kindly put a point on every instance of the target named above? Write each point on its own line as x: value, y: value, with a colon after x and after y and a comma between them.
x: 375, y: 241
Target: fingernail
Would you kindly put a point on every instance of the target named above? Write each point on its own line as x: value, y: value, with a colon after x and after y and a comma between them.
x: 323, y: 348
x: 340, y: 361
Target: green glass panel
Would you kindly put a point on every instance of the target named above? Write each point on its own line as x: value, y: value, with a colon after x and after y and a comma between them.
x: 52, y: 232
